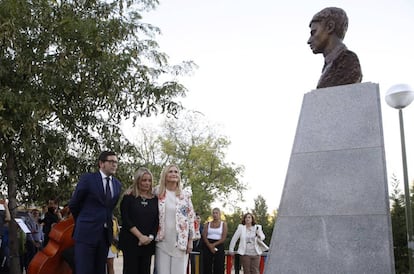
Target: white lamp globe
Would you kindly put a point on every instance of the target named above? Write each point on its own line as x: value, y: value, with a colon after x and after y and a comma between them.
x: 399, y: 96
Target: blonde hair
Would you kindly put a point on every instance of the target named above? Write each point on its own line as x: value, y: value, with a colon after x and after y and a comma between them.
x: 134, y: 189
x: 162, y: 182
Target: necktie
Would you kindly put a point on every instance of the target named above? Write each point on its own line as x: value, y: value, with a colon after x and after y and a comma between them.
x: 108, y: 196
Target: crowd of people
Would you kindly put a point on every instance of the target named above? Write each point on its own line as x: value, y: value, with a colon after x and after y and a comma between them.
x: 156, y: 222
x: 34, y: 226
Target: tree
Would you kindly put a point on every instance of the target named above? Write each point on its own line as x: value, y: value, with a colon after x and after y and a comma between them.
x: 260, y: 210
x: 263, y: 218
x: 193, y: 144
x: 200, y: 152
x: 399, y: 229
x: 70, y: 72
x: 233, y: 220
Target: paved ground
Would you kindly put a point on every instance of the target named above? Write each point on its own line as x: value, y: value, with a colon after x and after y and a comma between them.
x: 118, y: 265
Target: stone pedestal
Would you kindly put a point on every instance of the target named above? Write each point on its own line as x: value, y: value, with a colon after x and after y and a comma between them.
x: 334, y: 212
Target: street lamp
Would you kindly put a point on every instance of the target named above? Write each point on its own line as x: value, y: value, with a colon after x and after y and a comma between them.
x: 399, y: 96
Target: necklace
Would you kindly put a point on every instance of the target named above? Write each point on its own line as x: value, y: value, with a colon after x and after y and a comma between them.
x: 144, y: 201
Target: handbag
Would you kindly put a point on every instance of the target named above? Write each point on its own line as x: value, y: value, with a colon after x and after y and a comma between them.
x: 262, y: 246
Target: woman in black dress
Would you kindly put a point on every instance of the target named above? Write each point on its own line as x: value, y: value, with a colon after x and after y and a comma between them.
x: 139, y: 212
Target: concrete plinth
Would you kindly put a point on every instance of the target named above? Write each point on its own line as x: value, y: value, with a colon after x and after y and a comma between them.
x: 334, y: 213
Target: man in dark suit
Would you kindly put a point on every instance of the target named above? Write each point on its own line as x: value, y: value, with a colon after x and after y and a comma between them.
x: 328, y: 28
x: 92, y: 204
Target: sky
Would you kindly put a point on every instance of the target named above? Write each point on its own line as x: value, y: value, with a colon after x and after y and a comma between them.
x: 254, y: 67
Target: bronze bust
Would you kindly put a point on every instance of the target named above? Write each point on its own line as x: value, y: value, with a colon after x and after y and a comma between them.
x: 327, y: 30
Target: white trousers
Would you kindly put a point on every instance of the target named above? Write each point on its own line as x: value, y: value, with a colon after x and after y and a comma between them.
x: 166, y: 264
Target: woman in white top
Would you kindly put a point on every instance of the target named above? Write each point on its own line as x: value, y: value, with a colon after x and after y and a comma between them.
x: 214, y: 234
x: 176, y: 224
x: 249, y: 251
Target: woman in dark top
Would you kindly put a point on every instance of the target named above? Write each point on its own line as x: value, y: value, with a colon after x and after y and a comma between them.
x: 139, y: 212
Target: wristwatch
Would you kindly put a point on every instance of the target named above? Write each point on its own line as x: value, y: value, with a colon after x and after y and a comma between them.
x: 151, y: 237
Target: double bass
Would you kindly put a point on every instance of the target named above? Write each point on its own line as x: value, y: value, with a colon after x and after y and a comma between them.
x: 49, y: 260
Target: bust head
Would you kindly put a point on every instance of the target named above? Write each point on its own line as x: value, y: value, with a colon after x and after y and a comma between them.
x: 333, y: 15
x: 328, y: 28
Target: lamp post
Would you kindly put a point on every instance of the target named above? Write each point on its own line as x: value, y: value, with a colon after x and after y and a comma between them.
x: 399, y: 96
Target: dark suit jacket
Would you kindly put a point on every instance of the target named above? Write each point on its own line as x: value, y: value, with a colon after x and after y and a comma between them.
x: 88, y: 207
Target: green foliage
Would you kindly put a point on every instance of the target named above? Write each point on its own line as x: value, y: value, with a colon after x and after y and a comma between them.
x: 69, y: 74
x: 399, y: 229
x: 192, y: 144
x: 260, y: 210
x: 200, y: 152
x: 233, y: 220
x: 263, y: 218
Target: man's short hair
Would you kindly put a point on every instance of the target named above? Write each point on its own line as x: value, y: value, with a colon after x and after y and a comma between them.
x: 104, y: 155
x: 337, y: 15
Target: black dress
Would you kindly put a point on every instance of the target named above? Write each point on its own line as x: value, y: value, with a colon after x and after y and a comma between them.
x: 143, y: 214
